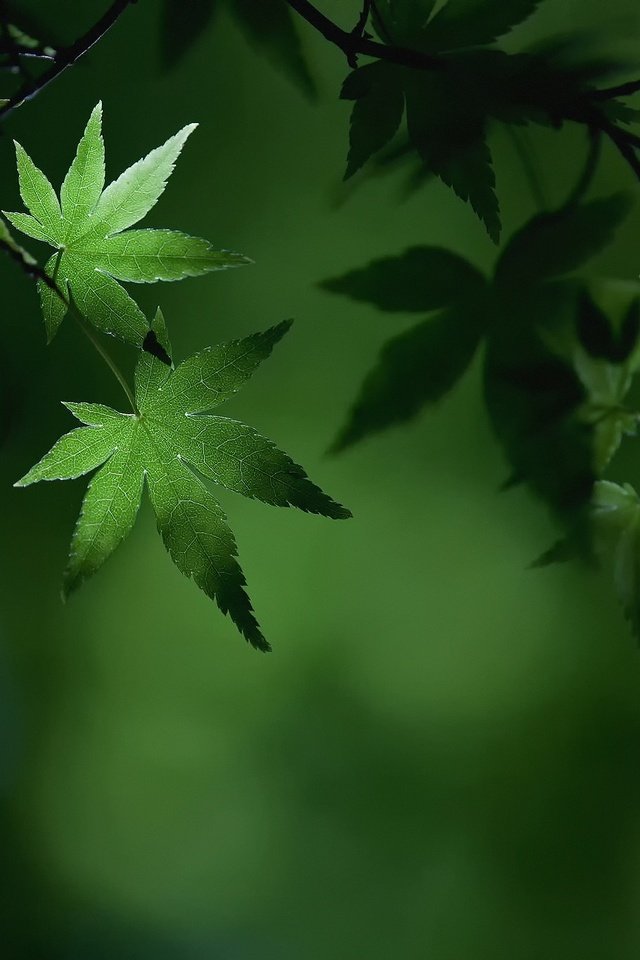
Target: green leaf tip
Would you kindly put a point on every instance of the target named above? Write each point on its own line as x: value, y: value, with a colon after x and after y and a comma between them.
x: 89, y: 228
x: 177, y: 447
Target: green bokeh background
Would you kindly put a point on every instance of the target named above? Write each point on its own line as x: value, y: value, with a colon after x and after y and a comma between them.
x: 441, y: 757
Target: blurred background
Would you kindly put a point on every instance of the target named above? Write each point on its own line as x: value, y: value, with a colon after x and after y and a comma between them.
x: 441, y: 757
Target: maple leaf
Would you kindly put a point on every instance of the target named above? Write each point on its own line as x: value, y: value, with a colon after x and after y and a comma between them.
x: 423, y: 363
x: 89, y: 228
x: 558, y: 365
x: 170, y: 443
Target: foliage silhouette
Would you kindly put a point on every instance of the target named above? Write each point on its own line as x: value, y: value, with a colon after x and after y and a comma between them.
x: 557, y: 409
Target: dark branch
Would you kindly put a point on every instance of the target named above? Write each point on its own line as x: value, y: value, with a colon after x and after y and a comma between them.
x: 622, y: 90
x: 353, y: 43
x: 363, y: 18
x: 66, y: 57
x: 29, y: 267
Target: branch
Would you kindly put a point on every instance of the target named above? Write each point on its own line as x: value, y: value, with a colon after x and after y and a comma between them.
x: 622, y: 143
x: 622, y: 90
x: 66, y: 57
x: 353, y: 43
x: 23, y: 258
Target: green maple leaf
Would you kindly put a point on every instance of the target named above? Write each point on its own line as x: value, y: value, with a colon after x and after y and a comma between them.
x: 170, y: 442
x: 89, y: 228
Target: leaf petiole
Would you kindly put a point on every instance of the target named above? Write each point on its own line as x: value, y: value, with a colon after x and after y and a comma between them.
x: 106, y: 356
x: 90, y: 335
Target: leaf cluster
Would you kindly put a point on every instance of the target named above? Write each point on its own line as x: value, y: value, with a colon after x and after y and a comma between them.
x: 447, y: 110
x: 557, y: 365
x: 170, y: 442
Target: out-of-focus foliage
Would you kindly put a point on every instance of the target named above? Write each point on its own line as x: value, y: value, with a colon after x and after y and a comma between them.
x: 449, y: 107
x: 269, y: 26
x: 557, y: 367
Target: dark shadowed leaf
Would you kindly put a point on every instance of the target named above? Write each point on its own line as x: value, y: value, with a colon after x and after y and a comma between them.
x: 271, y: 27
x: 561, y: 552
x: 553, y: 244
x: 470, y: 23
x: 377, y: 112
x: 421, y: 279
x: 415, y: 369
x: 400, y: 20
x: 535, y: 399
x: 449, y: 134
x: 597, y: 333
x: 181, y: 26
x: 86, y: 227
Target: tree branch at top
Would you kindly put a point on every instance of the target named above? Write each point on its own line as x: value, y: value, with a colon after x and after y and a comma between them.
x: 356, y: 43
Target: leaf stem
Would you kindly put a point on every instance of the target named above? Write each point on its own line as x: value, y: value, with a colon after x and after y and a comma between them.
x: 103, y: 352
x: 86, y: 328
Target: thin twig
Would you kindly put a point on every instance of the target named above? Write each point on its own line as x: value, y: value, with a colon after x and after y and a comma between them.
x: 622, y: 90
x: 353, y: 45
x: 620, y: 141
x: 67, y: 57
x: 363, y: 18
